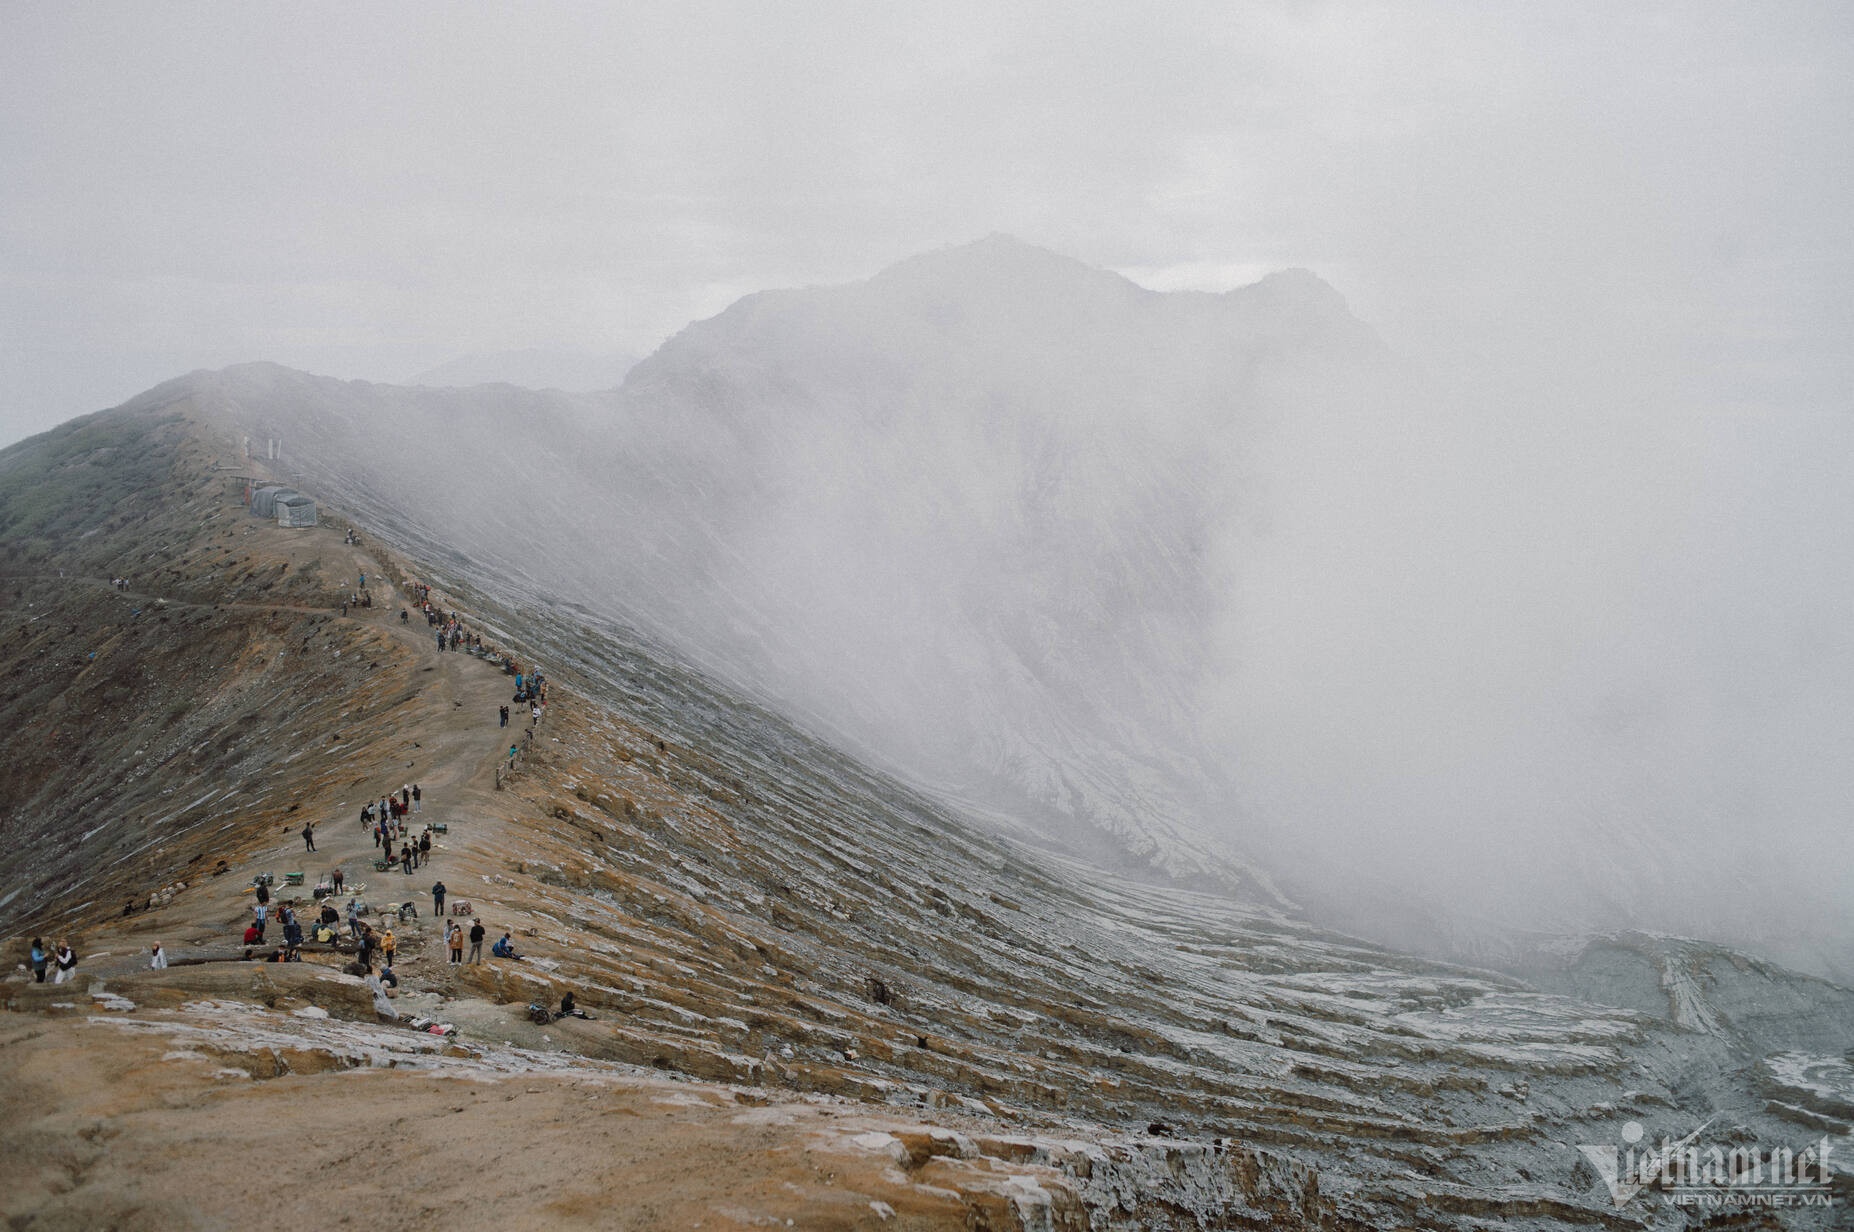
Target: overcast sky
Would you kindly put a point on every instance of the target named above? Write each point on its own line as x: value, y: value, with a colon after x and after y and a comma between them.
x: 368, y: 190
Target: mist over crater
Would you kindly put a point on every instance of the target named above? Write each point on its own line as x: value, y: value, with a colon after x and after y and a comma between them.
x: 1210, y: 585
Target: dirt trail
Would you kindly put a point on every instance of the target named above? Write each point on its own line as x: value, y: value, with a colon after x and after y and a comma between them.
x: 132, y: 1120
x: 460, y: 743
x: 456, y: 744
x: 121, y: 1126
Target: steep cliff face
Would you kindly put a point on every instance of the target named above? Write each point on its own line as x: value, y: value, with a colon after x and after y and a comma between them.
x: 979, y: 503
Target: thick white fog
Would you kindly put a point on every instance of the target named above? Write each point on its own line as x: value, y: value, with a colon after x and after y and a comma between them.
x: 1568, y: 656
x: 1552, y: 653
x: 1523, y: 604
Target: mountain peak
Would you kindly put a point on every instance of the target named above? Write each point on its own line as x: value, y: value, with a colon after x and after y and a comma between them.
x: 998, y: 260
x: 1297, y: 285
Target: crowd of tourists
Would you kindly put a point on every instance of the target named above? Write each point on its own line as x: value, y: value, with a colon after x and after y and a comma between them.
x: 387, y: 821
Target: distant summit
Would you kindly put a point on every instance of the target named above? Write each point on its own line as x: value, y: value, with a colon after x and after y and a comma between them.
x: 1001, y: 260
x: 1026, y: 310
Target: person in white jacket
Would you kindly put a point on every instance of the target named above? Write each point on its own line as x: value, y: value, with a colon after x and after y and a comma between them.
x: 157, y: 958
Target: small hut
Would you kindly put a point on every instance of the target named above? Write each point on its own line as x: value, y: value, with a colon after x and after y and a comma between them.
x: 295, y: 510
x: 264, y: 500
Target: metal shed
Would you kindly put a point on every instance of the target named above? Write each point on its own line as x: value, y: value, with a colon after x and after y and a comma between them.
x: 295, y: 510
x: 264, y: 500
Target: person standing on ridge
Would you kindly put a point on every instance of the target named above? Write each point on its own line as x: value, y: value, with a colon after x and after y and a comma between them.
x: 417, y: 796
x: 437, y: 898
x: 67, y: 963
x: 476, y: 941
x: 309, y: 835
x: 40, y: 957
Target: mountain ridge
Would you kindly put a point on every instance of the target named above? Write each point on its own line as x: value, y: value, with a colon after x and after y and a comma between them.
x: 740, y: 904
x: 1006, y: 564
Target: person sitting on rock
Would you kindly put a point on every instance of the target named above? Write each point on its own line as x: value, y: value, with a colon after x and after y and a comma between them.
x: 505, y: 949
x: 568, y: 1009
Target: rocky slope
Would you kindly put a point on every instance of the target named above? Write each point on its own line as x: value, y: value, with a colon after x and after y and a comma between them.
x: 877, y: 995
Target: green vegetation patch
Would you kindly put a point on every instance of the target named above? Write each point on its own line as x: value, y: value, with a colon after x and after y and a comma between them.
x: 71, y: 481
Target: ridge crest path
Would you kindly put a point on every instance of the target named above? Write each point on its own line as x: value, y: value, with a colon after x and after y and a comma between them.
x: 455, y: 742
